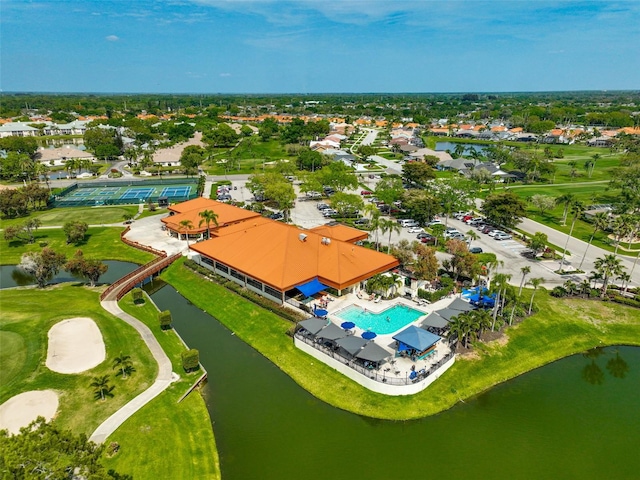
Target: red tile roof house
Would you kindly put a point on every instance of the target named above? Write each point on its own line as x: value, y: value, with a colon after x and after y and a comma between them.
x: 272, y: 258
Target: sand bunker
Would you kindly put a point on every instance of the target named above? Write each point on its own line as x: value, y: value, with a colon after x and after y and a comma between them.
x: 21, y: 410
x: 75, y: 345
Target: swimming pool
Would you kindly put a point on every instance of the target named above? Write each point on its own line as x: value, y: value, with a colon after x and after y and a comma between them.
x: 387, y: 321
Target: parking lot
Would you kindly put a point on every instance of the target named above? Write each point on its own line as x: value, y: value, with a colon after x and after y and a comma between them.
x: 306, y: 214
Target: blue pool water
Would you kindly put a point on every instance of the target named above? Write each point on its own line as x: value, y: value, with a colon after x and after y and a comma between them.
x: 387, y: 321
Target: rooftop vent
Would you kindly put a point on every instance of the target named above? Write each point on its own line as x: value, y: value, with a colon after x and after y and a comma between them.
x: 325, y: 241
x: 302, y: 237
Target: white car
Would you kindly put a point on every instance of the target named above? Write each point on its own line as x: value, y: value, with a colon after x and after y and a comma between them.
x: 493, y: 233
x: 502, y: 236
x: 416, y: 230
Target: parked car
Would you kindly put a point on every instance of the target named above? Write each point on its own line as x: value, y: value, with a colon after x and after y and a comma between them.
x: 458, y: 236
x: 493, y: 233
x: 361, y: 221
x: 224, y: 198
x: 502, y: 236
x: 276, y: 216
x: 475, y: 250
x: 451, y: 234
x: 322, y: 206
x: 428, y: 239
x: 366, y: 192
x: 329, y: 212
x: 416, y: 230
x: 434, y: 222
x: 475, y: 221
x: 488, y: 229
x: 466, y: 217
x: 460, y: 215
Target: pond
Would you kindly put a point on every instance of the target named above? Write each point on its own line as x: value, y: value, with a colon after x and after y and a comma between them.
x: 443, y: 146
x: 577, y: 416
x: 11, y: 276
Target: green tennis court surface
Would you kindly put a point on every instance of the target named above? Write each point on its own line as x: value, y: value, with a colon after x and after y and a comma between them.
x: 121, y: 192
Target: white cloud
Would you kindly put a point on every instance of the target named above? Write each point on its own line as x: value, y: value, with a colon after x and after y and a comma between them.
x: 112, y: 38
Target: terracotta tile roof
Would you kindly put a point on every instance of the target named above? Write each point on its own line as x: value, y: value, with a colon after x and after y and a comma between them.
x: 190, y: 210
x: 630, y: 130
x: 284, y: 256
x: 340, y: 232
x: 516, y: 130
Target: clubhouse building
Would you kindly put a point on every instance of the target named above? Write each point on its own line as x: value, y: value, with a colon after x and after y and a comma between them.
x: 281, y: 262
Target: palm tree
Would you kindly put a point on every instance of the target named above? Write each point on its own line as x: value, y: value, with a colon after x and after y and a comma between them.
x: 103, y: 390
x: 625, y: 278
x: 208, y: 216
x: 600, y: 222
x: 535, y: 283
x: 458, y: 328
x: 622, y: 227
x: 123, y: 363
x: 389, y: 226
x: 186, y: 225
x: 482, y: 318
x: 576, y: 209
x: 585, y: 287
x: 525, y: 271
x: 594, y: 158
x: 472, y: 236
x: 567, y: 200
x: 609, y: 266
x: 595, y: 276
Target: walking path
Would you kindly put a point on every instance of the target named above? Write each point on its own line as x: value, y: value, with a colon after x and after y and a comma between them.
x: 163, y: 380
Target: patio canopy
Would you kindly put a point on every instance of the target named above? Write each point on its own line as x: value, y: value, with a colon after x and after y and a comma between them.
x: 484, y: 300
x: 309, y: 288
x: 351, y: 344
x: 373, y: 353
x: 459, y: 304
x: 416, y: 338
x: 331, y: 332
x: 435, y: 320
x: 313, y: 325
x: 448, y: 313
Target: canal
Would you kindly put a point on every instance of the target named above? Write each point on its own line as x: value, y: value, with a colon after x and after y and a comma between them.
x: 577, y: 417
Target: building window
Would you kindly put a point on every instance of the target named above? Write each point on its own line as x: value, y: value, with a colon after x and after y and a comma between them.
x: 254, y: 283
x: 207, y: 260
x: 223, y: 268
x: 272, y: 291
x: 237, y: 275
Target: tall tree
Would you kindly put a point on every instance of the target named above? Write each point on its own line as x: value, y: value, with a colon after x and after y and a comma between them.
x: 186, y: 226
x: 566, y: 201
x: 600, y: 223
x: 43, y: 265
x: 525, y: 271
x: 535, y: 283
x: 208, y: 216
x: 506, y: 209
x: 102, y: 387
x: 576, y: 210
x: 609, y: 266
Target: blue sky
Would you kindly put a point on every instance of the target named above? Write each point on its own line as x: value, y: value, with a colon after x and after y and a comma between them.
x: 315, y: 46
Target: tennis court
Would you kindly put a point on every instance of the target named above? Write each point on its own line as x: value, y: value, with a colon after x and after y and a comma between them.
x: 122, y: 192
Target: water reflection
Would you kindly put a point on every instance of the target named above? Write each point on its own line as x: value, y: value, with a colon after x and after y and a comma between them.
x: 593, y: 373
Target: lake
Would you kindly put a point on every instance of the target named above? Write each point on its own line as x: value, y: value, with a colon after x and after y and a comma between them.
x: 11, y: 276
x: 575, y: 418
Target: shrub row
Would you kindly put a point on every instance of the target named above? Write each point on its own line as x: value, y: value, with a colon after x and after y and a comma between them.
x: 265, y: 303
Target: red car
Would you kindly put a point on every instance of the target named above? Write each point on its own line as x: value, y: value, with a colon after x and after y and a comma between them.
x: 467, y: 217
x: 366, y: 192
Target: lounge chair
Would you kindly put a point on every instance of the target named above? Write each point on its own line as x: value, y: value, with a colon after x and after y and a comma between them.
x: 378, y: 298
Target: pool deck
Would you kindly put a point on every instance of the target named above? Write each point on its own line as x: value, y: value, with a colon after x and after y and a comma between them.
x: 400, y: 367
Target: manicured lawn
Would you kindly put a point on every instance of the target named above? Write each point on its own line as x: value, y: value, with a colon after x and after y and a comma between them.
x: 596, y: 193
x: 102, y: 243
x: 27, y: 316
x: 562, y: 328
x: 253, y: 155
x: 178, y: 436
x: 90, y: 215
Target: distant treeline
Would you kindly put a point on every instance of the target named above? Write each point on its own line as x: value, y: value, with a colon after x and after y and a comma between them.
x: 604, y: 108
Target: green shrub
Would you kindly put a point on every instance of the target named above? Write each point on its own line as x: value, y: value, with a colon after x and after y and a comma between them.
x: 165, y: 319
x: 191, y: 360
x: 138, y: 295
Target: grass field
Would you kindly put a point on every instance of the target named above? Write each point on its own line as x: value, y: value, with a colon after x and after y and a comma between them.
x: 588, y: 194
x: 252, y: 155
x: 27, y: 316
x: 102, y: 243
x: 190, y: 452
x: 561, y: 328
x: 90, y: 215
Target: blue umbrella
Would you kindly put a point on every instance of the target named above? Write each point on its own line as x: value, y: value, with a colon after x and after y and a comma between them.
x: 320, y: 312
x: 348, y: 325
x: 369, y: 335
